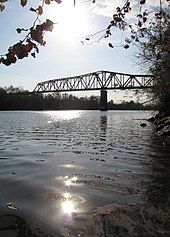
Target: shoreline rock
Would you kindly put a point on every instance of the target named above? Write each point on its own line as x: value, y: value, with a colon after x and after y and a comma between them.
x: 162, y: 123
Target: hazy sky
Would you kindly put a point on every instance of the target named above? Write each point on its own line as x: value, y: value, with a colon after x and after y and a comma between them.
x: 64, y: 54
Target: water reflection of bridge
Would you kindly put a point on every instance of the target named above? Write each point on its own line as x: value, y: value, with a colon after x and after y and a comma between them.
x: 101, y: 80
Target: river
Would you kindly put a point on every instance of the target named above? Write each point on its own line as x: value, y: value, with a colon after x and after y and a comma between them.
x: 83, y: 173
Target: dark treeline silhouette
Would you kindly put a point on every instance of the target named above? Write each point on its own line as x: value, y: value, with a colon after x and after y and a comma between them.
x: 10, y: 100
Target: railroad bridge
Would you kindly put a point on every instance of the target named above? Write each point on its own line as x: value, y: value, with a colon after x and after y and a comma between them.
x: 100, y: 80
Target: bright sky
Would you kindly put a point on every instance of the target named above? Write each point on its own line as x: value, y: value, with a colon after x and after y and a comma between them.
x: 64, y: 54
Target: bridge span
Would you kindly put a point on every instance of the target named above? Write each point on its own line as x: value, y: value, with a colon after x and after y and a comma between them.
x: 100, y: 80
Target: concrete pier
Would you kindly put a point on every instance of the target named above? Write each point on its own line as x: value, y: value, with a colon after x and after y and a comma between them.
x: 103, y: 100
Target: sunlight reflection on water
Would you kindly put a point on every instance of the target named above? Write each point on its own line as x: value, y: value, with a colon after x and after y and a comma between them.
x: 63, y: 115
x: 70, y: 202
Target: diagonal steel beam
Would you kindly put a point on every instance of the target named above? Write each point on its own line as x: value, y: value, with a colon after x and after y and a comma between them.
x: 96, y: 81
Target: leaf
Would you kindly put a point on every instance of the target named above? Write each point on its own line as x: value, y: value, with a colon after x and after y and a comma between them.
x: 118, y: 9
x: 58, y: 1
x: 47, y: 2
x: 139, y: 23
x: 110, y: 45
x: 126, y: 10
x: 2, y: 7
x: 145, y: 13
x: 29, y: 46
x: 109, y: 26
x: 20, y: 50
x: 37, y: 36
x: 6, y: 62
x: 126, y: 46
x: 48, y: 25
x: 142, y: 1
x: 144, y: 19
x: 32, y: 9
x: 33, y: 55
x: 127, y: 40
x: 23, y: 3
x: 18, y: 30
x: 11, y: 206
x: 3, y: 0
x: 108, y: 32
x: 40, y: 10
x: 37, y: 49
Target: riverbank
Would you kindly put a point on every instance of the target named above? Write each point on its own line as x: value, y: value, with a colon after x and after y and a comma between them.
x: 162, y: 123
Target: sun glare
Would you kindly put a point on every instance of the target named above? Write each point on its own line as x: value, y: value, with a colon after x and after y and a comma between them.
x: 68, y: 206
x: 71, y: 21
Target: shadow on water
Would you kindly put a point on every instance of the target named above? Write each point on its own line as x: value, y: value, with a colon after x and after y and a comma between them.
x: 158, y: 185
x: 151, y: 217
x: 103, y: 123
x: 15, y: 226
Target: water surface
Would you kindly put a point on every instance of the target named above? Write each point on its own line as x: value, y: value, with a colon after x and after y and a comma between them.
x: 83, y: 173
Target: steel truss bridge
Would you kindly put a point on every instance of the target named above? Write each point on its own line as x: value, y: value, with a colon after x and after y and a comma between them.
x: 100, y: 80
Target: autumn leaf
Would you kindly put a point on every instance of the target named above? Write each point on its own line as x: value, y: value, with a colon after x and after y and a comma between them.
x: 20, y: 50
x: 40, y: 10
x: 2, y: 7
x: 58, y: 1
x: 37, y: 36
x: 23, y: 3
x: 47, y: 2
x: 48, y: 25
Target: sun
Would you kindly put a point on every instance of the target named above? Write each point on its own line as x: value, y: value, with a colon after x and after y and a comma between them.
x: 71, y: 21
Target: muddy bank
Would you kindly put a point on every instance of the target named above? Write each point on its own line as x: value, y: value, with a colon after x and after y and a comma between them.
x: 139, y: 220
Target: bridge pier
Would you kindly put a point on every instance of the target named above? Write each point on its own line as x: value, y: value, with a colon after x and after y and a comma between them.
x: 103, y: 100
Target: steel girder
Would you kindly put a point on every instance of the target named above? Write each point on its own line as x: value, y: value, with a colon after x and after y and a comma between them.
x: 96, y: 81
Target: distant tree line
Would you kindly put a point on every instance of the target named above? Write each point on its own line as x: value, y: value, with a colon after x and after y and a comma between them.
x: 12, y: 99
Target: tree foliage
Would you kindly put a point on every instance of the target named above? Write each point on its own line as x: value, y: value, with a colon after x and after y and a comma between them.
x: 155, y: 55
x: 34, y: 37
x: 14, y: 98
x: 138, y: 27
x: 150, y: 31
x: 35, y: 34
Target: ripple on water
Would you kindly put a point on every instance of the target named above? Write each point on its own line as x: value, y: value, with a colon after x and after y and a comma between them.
x: 81, y: 175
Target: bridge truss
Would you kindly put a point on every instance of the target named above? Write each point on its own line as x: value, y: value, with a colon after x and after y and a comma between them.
x: 101, y: 80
